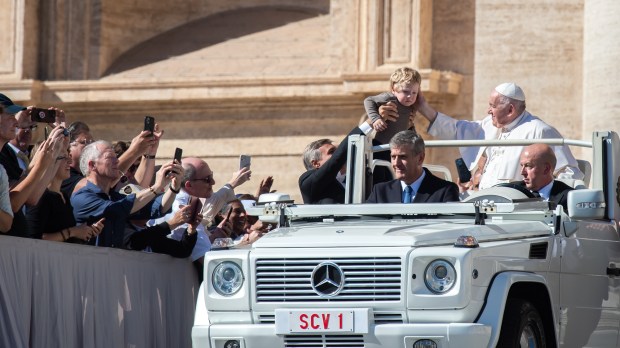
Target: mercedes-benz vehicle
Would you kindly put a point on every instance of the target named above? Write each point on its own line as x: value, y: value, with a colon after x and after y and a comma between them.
x: 498, y: 269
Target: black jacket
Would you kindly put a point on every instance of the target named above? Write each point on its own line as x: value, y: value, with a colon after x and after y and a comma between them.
x: 558, y: 194
x: 432, y: 190
x: 320, y: 186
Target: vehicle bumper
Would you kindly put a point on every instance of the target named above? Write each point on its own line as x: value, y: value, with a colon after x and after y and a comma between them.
x: 387, y: 335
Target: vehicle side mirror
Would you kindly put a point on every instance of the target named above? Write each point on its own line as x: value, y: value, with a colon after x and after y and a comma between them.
x: 586, y: 204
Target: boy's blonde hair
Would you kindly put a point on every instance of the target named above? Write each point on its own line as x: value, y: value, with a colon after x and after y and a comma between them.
x: 404, y: 76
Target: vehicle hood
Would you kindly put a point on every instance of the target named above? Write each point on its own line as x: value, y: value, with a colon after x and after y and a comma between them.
x: 399, y: 233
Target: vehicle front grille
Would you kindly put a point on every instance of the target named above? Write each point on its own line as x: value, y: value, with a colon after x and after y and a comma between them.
x: 323, y: 341
x: 374, y: 279
x: 388, y: 318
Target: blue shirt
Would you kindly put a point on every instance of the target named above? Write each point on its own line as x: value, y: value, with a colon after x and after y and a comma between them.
x: 90, y: 204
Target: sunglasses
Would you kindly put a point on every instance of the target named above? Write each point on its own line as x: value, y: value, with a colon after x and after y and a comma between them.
x: 29, y: 128
x: 83, y: 142
x: 206, y: 179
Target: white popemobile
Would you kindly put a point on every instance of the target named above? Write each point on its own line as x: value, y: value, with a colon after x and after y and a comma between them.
x: 499, y: 269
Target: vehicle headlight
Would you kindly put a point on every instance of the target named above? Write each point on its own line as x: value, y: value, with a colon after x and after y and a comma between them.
x: 227, y: 278
x: 440, y: 276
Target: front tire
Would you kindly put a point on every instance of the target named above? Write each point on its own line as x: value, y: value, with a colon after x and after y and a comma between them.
x: 521, y: 326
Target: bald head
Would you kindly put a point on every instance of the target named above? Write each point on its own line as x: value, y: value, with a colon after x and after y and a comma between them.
x: 537, y: 165
x: 198, y: 179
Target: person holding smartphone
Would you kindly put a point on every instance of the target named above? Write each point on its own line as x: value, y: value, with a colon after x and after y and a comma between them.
x: 15, y: 154
x: 96, y: 199
x: 140, y: 236
x: 197, y: 183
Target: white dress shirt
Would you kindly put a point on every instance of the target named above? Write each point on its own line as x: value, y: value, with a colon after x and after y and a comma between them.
x: 203, y: 244
x: 415, y: 186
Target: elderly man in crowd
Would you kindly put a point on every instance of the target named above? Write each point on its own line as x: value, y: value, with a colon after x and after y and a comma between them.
x: 197, y: 182
x: 96, y: 199
x: 33, y: 182
x: 15, y: 154
x: 537, y: 162
x: 413, y: 183
x: 507, y: 119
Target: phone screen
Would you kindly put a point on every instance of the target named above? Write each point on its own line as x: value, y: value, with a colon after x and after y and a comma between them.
x: 149, y: 123
x: 178, y: 154
x: 244, y: 161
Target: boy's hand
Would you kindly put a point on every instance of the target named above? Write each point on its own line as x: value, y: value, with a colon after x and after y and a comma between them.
x: 379, y: 125
x: 389, y: 112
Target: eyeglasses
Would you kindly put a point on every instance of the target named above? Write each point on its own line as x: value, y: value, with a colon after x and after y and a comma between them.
x: 123, y: 179
x: 206, y: 179
x: 83, y: 142
x: 29, y: 128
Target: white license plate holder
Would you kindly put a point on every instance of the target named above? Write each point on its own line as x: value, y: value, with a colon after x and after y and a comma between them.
x: 318, y: 320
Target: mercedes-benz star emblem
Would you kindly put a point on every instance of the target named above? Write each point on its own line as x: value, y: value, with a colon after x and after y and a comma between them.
x: 327, y: 279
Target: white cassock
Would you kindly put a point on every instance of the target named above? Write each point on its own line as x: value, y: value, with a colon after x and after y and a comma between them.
x: 502, y: 163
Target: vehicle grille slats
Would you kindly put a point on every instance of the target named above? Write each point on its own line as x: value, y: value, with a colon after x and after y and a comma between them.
x: 324, y: 341
x: 366, y: 279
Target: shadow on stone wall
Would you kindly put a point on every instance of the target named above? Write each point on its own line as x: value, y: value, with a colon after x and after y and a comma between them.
x: 207, y: 32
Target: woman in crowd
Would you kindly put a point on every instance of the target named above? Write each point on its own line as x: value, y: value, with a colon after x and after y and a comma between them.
x: 52, y: 217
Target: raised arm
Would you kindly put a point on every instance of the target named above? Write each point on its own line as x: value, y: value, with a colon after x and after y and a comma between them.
x: 44, y: 166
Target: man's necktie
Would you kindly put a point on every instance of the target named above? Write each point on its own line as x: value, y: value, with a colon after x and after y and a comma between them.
x: 22, y: 156
x: 407, y: 194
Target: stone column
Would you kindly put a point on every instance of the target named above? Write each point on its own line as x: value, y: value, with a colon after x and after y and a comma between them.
x: 601, y: 90
x: 394, y: 33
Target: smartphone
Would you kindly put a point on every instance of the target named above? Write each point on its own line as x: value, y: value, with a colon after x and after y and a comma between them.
x: 244, y: 161
x: 46, y: 132
x: 463, y: 171
x: 195, y: 206
x: 42, y: 115
x: 149, y: 124
x: 178, y: 154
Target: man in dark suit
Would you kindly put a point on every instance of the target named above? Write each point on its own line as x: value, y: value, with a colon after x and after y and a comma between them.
x: 323, y: 181
x: 537, y: 164
x: 413, y: 183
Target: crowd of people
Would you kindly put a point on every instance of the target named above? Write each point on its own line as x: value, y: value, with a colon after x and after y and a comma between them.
x: 72, y: 188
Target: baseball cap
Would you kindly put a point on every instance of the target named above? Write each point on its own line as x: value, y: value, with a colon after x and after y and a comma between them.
x: 511, y: 90
x: 9, y: 106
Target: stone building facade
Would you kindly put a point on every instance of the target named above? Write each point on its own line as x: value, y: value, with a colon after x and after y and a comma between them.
x: 265, y: 77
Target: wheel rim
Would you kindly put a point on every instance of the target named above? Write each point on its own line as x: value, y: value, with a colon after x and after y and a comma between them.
x: 528, y: 337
